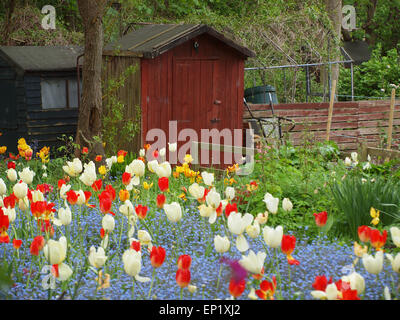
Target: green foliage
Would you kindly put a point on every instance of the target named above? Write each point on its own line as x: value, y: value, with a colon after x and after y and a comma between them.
x: 354, y: 197
x: 375, y: 77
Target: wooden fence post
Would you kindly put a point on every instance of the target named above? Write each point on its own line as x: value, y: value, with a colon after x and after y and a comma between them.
x: 391, y: 116
x: 328, y: 128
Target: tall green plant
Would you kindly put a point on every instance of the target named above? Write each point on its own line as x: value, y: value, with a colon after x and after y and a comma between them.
x: 354, y: 197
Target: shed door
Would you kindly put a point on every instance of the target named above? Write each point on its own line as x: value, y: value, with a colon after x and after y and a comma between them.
x: 8, y: 104
x: 194, y: 88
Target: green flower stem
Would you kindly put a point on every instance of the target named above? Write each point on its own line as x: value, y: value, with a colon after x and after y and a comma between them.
x: 219, y: 276
x: 151, y: 284
x: 133, y: 288
x: 278, y: 273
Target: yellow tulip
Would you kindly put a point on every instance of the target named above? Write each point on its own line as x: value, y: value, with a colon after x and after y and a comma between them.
x: 120, y: 159
x: 102, y: 170
x: 147, y: 186
x: 375, y: 215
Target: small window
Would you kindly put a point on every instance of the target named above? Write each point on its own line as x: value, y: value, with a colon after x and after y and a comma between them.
x: 59, y: 93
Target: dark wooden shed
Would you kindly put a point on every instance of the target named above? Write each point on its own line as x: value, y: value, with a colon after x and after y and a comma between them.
x: 189, y: 73
x: 38, y: 90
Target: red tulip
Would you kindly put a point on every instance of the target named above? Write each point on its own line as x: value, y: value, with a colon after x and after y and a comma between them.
x: 320, y: 283
x: 163, y: 183
x: 182, y: 277
x: 17, y: 243
x: 364, y: 233
x: 287, y: 245
x: 184, y: 262
x: 4, y: 224
x: 161, y: 200
x: 109, y: 188
x: 378, y: 239
x: 37, y: 245
x: 320, y: 218
x: 135, y: 245
x: 230, y: 208
x: 105, y: 202
x: 102, y: 233
x: 85, y: 150
x: 9, y: 202
x: 97, y: 185
x: 236, y: 288
x: 72, y: 197
x: 157, y: 256
x: 98, y: 158
x: 126, y: 178
x: 141, y: 211
x: 60, y: 183
x: 11, y: 165
x: 267, y: 289
x: 38, y: 208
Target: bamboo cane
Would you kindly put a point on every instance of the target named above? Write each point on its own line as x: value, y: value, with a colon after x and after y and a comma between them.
x: 391, y: 116
x: 328, y: 128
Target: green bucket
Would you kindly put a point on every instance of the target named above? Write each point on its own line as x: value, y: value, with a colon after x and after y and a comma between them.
x: 260, y: 95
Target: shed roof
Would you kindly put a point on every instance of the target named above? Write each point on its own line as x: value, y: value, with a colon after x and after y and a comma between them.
x: 155, y: 39
x: 41, y: 58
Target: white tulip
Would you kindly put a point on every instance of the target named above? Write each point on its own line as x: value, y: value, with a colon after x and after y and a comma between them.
x: 367, y: 166
x: 253, y: 230
x: 64, y: 271
x: 273, y: 237
x: 394, y: 261
x: 97, y: 258
x: 81, y: 198
x: 152, y: 165
x: 12, y: 175
x: 172, y: 146
x: 173, y: 211
x: 108, y: 223
x: 26, y: 175
x: 55, y: 251
x: 88, y: 177
x: 230, y: 193
x: 238, y: 224
x: 163, y: 170
x: 354, y: 156
x: 330, y: 293
x: 132, y: 260
x: 3, y: 187
x: 127, y: 209
x: 110, y: 161
x: 347, y: 162
x: 213, y: 199
x: 37, y: 195
x: 192, y: 288
x: 162, y: 152
x: 10, y: 212
x: 287, y: 204
x: 271, y: 202
x: 205, y: 211
x: 73, y: 168
x: 23, y: 204
x: 253, y: 263
x: 64, y: 216
x: 63, y: 191
x: 372, y: 264
x: 142, y: 152
x: 20, y: 190
x: 221, y: 244
x: 252, y: 294
x: 208, y: 178
x: 196, y: 191
x: 395, y: 234
x: 144, y: 238
x: 356, y: 281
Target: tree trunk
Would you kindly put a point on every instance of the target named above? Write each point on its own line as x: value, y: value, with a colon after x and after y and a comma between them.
x: 90, y: 112
x: 334, y: 9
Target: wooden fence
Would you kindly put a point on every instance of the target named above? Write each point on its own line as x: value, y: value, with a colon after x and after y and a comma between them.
x: 352, y: 122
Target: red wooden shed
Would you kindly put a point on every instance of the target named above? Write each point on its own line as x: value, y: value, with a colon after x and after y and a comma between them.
x: 188, y: 73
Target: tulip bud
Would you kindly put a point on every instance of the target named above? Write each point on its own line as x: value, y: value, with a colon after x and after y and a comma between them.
x: 108, y: 223
x: 221, y: 244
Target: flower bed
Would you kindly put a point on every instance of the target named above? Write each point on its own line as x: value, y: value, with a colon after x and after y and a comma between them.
x: 92, y: 236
